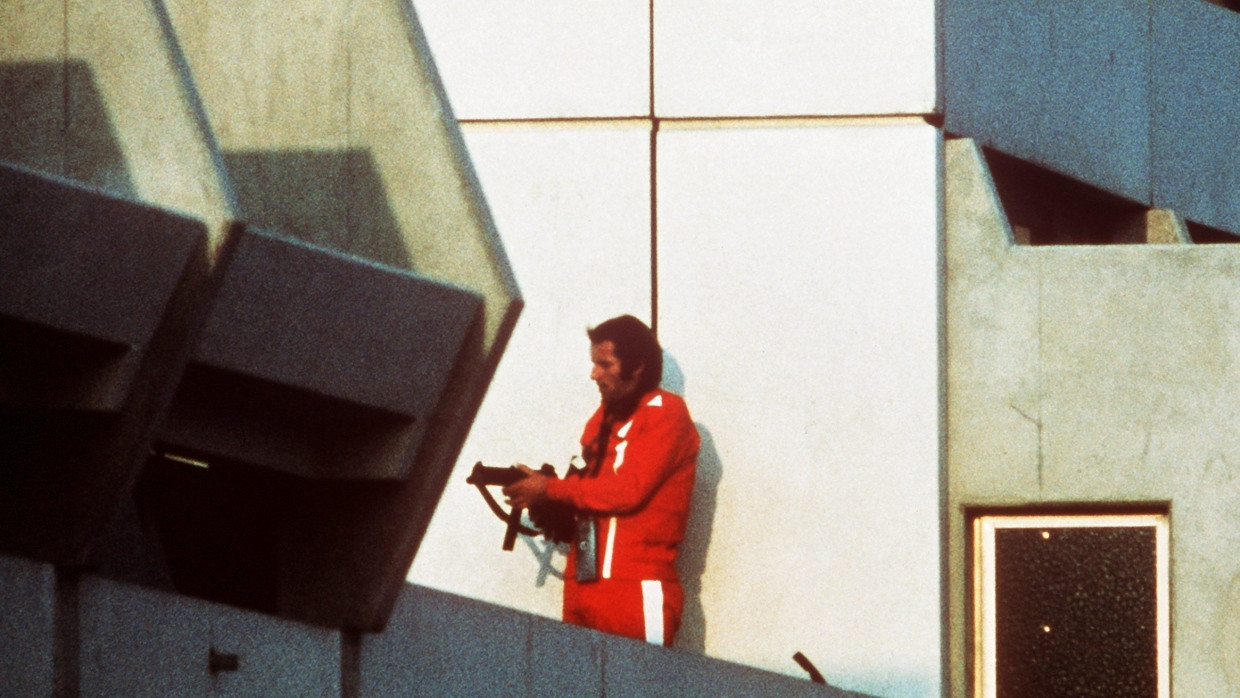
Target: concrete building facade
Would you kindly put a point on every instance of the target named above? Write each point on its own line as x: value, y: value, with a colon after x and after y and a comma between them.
x: 761, y: 183
x: 926, y: 272
x: 803, y: 236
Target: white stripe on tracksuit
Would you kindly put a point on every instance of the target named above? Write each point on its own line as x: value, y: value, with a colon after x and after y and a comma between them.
x: 652, y: 589
x: 652, y: 609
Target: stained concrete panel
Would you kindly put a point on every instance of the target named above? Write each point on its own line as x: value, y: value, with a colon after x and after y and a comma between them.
x: 640, y: 670
x: 566, y: 659
x: 540, y: 59
x: 332, y: 121
x: 369, y: 345
x: 574, y: 205
x: 794, y: 57
x: 992, y: 295
x: 95, y: 296
x: 1195, y: 134
x: 140, y: 642
x: 1136, y: 401
x: 438, y: 644
x: 97, y: 94
x: 337, y: 132
x: 275, y: 657
x: 798, y: 278
x: 91, y: 266
x: 27, y: 605
x: 1060, y: 84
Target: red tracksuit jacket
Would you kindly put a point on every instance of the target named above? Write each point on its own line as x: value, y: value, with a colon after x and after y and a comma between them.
x: 641, y: 493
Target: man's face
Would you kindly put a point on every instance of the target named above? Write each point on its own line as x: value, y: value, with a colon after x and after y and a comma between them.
x: 606, y: 373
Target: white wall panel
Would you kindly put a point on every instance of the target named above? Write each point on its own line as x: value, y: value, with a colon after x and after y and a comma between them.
x: 798, y: 295
x: 541, y: 58
x: 779, y: 57
x: 572, y: 205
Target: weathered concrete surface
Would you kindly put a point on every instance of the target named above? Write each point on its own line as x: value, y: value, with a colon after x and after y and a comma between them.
x: 139, y: 642
x: 27, y: 610
x: 96, y: 293
x: 1195, y: 143
x: 440, y: 644
x: 330, y: 120
x: 336, y: 132
x: 115, y: 639
x: 103, y: 283
x: 1096, y: 375
x: 95, y: 93
x: 1060, y: 84
x: 334, y: 128
x: 1137, y: 98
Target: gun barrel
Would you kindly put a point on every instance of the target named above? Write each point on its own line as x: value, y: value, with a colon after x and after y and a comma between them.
x: 486, y: 475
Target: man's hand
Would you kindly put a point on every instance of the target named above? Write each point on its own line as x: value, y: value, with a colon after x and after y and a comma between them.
x: 527, y: 491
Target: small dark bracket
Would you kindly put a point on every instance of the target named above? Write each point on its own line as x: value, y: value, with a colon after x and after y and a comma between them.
x: 222, y: 661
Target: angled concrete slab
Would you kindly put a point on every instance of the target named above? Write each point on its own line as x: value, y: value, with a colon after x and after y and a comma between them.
x: 1059, y: 84
x: 114, y: 208
x: 97, y: 94
x: 1195, y: 134
x: 369, y: 290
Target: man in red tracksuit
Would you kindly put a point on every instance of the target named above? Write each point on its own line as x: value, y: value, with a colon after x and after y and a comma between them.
x: 641, y: 450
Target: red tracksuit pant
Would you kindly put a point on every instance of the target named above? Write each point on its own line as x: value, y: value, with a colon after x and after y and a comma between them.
x: 641, y: 609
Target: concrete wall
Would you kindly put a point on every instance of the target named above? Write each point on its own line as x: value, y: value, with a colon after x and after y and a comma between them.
x: 703, y: 166
x: 1134, y: 97
x: 27, y: 627
x: 1096, y: 375
x: 93, y: 637
x: 317, y: 147
x: 98, y: 95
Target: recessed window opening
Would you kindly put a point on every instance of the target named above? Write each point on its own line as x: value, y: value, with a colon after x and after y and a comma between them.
x: 1205, y: 235
x: 1070, y: 604
x: 1048, y: 208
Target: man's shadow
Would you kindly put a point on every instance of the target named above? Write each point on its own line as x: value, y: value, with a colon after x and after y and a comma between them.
x: 692, y: 561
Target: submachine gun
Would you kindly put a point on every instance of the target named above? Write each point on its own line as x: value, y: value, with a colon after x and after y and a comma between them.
x: 555, y: 522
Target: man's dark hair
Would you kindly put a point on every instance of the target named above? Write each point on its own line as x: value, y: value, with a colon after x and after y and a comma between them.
x: 635, y: 345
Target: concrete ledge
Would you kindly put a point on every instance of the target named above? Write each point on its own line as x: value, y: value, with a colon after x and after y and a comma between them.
x: 27, y: 603
x: 440, y: 644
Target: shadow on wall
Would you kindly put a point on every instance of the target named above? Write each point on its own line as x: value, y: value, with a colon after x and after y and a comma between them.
x: 330, y: 198
x: 697, y: 541
x: 53, y: 120
x: 692, y: 561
